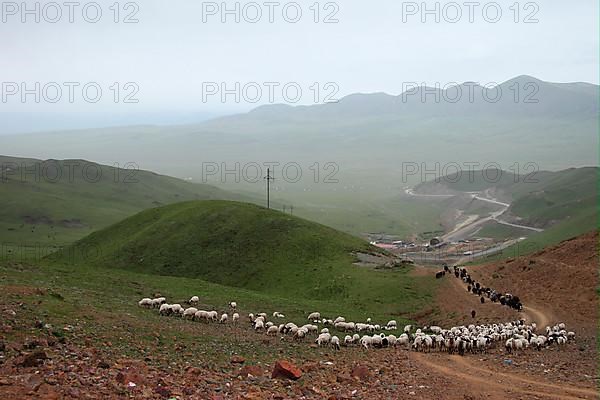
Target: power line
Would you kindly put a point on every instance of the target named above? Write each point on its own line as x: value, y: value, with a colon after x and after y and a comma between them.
x: 269, y: 178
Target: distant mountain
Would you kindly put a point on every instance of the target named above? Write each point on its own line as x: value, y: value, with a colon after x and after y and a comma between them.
x: 368, y: 136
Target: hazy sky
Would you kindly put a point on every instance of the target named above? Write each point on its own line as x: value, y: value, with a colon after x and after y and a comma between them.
x: 171, y: 52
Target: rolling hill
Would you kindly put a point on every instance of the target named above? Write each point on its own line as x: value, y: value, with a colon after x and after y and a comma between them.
x: 240, y: 245
x: 55, y: 202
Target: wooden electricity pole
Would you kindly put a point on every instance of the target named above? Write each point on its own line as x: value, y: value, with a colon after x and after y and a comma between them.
x: 269, y: 178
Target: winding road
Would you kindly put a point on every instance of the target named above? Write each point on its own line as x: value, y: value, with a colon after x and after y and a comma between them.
x: 474, y: 375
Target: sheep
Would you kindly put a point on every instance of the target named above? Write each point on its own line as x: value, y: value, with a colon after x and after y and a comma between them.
x: 194, y: 300
x: 392, y: 340
x: 201, y: 315
x: 146, y: 302
x: 335, y: 342
x: 259, y: 324
x: 339, y: 319
x: 324, y: 330
x: 235, y: 317
x: 213, y: 316
x: 314, y: 316
x: 404, y: 340
x: 165, y: 309
x: 232, y: 305
x: 262, y: 315
x: 156, y: 303
x: 277, y: 314
x: 300, y: 333
x: 369, y: 320
x: 323, y: 339
x: 272, y: 330
x: 177, y: 309
x: 223, y: 319
x: 407, y: 328
x: 348, y: 340
x: 366, y: 341
x: 570, y: 335
x: 269, y: 324
x: 391, y: 324
x: 190, y: 312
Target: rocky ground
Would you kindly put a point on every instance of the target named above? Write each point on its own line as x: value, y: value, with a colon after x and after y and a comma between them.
x: 71, y: 361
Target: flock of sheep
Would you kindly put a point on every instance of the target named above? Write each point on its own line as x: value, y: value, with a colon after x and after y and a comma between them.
x: 514, y: 335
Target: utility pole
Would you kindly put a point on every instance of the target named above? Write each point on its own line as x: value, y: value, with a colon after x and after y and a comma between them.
x: 269, y: 178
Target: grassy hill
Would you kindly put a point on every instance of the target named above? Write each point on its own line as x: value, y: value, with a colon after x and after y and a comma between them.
x: 245, y: 246
x: 55, y: 202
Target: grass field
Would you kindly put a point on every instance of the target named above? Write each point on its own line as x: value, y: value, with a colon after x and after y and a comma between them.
x: 246, y: 246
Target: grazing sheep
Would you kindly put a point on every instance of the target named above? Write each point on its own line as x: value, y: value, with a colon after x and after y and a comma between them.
x: 194, y: 300
x: 300, y: 333
x: 190, y: 312
x: 232, y: 305
x: 213, y: 316
x: 235, y: 317
x: 251, y: 317
x: 146, y: 302
x: 339, y: 319
x: 177, y: 309
x: 335, y: 342
x: 348, y: 340
x: 323, y: 339
x: 366, y: 341
x: 156, y: 303
x: 201, y: 315
x: 223, y: 319
x: 324, y: 330
x: 314, y: 316
x: 272, y: 330
x: 259, y: 324
x: 165, y: 309
x: 407, y: 329
x: 391, y: 324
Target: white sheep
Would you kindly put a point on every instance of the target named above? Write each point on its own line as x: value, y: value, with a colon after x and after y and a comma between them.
x: 300, y: 333
x: 156, y: 303
x: 272, y: 330
x: 259, y: 324
x: 194, y: 300
x: 213, y: 316
x: 223, y: 319
x: 232, y: 305
x: 165, y: 309
x: 324, y: 330
x: 339, y: 319
x: 335, y: 342
x: 366, y: 341
x: 201, y: 315
x: 314, y: 316
x: 235, y: 317
x: 146, y: 302
x: 348, y: 340
x: 177, y: 309
x: 190, y: 312
x: 323, y: 339
x: 391, y: 324
x: 407, y: 328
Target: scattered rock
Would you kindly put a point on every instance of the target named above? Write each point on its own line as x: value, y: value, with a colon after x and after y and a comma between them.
x: 238, y: 360
x: 250, y: 370
x: 361, y: 372
x: 34, y: 359
x: 286, y: 370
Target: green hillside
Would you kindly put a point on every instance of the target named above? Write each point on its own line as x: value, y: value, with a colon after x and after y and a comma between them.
x: 55, y: 202
x: 245, y: 246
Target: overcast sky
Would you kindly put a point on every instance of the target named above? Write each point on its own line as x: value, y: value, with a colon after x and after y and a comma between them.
x: 171, y: 52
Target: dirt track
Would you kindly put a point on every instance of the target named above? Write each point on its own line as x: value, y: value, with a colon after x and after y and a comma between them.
x: 546, y: 282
